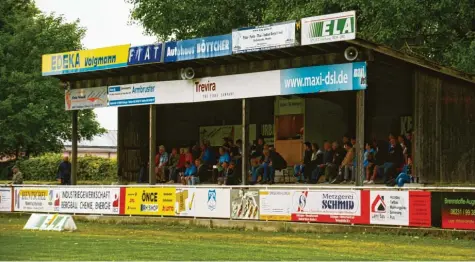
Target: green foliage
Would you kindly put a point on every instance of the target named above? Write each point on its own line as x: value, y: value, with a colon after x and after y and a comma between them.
x: 32, y: 112
x: 440, y: 30
x: 45, y: 168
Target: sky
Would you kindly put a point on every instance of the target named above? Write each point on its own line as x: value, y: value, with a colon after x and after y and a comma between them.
x: 107, y: 24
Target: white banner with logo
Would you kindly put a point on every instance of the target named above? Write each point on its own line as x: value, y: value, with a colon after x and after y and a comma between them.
x: 389, y: 207
x: 275, y: 204
x: 87, y: 200
x: 203, y: 202
x: 178, y: 91
x: 265, y: 37
x: 245, y: 204
x: 133, y: 94
x: 33, y: 199
x: 329, y: 28
x: 346, y: 202
x: 5, y: 199
x: 85, y: 98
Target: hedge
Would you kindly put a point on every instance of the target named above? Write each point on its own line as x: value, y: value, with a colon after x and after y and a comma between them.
x: 45, y: 168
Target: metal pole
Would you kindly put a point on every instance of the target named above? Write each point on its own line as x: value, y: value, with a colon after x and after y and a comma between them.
x: 74, y: 149
x: 245, y: 139
x: 152, y: 144
x: 360, y: 122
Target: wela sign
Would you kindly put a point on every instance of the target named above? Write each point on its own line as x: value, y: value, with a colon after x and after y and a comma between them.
x: 329, y: 28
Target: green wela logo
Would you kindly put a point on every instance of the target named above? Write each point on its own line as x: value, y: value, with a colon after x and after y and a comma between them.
x: 332, y: 27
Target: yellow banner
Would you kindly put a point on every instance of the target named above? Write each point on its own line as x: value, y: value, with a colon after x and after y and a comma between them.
x: 85, y: 60
x: 150, y: 201
x: 275, y: 217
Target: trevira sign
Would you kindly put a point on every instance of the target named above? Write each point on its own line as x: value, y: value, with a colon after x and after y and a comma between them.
x: 134, y: 94
x: 145, y: 54
x: 87, y: 200
x: 85, y: 98
x: 329, y: 28
x: 265, y: 37
x: 206, y: 47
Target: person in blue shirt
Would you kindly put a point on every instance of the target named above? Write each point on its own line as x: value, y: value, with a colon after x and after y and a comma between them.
x: 64, y: 172
x: 224, y: 157
x: 190, y: 174
x: 207, y: 154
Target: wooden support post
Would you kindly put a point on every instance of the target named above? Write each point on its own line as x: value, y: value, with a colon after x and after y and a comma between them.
x: 74, y: 149
x: 245, y: 139
x: 152, y: 144
x: 360, y: 123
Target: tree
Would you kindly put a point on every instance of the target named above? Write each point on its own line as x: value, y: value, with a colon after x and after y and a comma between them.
x: 440, y: 30
x: 33, y: 119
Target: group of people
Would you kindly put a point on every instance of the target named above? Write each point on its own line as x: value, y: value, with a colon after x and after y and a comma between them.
x: 337, y: 164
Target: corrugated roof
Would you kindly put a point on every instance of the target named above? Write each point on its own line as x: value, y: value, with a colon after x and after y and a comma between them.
x: 108, y: 139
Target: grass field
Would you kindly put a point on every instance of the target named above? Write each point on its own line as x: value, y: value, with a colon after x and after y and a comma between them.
x: 96, y: 241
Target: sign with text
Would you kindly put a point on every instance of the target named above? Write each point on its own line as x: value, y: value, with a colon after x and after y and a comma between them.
x: 203, y: 202
x: 145, y: 54
x: 329, y: 28
x: 6, y: 199
x: 87, y: 200
x: 85, y: 98
x: 328, y: 78
x: 265, y: 37
x: 34, y: 199
x: 458, y: 210
x: 205, y: 47
x: 389, y: 208
x: 245, y: 203
x: 85, y: 60
x: 275, y: 204
x: 133, y: 94
x: 150, y: 201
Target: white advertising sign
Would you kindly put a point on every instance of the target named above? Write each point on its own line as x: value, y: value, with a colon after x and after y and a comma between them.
x: 275, y: 204
x: 87, y: 200
x: 329, y: 28
x: 170, y: 92
x: 327, y: 202
x: 203, y: 202
x: 5, y: 199
x: 85, y: 98
x: 50, y: 222
x: 34, y: 199
x: 264, y: 37
x: 244, y: 203
x: 389, y: 208
x: 238, y: 86
x: 133, y: 94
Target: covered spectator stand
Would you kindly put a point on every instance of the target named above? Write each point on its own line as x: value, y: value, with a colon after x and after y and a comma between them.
x: 403, y: 94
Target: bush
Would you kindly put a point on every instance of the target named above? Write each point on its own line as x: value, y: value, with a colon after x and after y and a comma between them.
x: 45, y: 167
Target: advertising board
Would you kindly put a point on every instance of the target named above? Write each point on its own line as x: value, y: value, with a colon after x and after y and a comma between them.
x: 6, y: 199
x: 275, y: 204
x: 85, y: 60
x: 458, y: 210
x: 133, y: 94
x: 85, y: 98
x: 149, y: 201
x: 328, y: 78
x: 244, y: 203
x: 203, y: 202
x: 34, y: 199
x: 205, y: 47
x: 389, y: 208
x: 87, y: 200
x: 264, y: 37
x: 328, y: 28
x: 145, y: 54
x: 50, y: 222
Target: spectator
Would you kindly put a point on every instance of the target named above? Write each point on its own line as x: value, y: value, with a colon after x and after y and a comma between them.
x: 278, y: 162
x: 224, y: 157
x: 346, y: 139
x: 299, y: 169
x: 266, y: 167
x: 327, y: 159
x: 239, y: 146
x: 353, y: 141
x: 395, y: 159
x: 254, y: 170
x: 380, y: 158
x: 227, y: 144
x: 368, y: 162
x: 188, y: 155
x: 315, y: 160
x: 196, y: 151
x: 17, y: 178
x: 181, y: 161
x: 406, y: 175
x: 173, y: 165
x: 332, y: 168
x: 260, y: 146
x: 190, y: 177
x: 201, y: 170
x: 231, y: 177
x: 409, y: 138
x: 161, y: 164
x: 64, y: 172
x: 402, y: 141
x: 347, y: 164
x: 223, y: 176
x: 233, y: 150
x: 207, y: 155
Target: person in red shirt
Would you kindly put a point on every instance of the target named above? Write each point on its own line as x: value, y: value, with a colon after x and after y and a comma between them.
x: 188, y: 155
x: 181, y: 161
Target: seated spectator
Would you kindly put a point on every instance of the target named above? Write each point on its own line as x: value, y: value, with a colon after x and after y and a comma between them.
x: 327, y: 159
x: 201, y: 170
x: 224, y: 157
x: 266, y: 167
x: 347, y: 164
x: 230, y: 175
x: 173, y: 165
x: 196, y: 151
x: 368, y: 163
x: 239, y: 147
x: 233, y: 150
x: 299, y: 169
x: 161, y: 164
x: 406, y: 175
x: 259, y: 147
x: 395, y: 160
x: 190, y: 176
x: 181, y: 161
x: 380, y: 158
x: 331, y: 169
x: 254, y: 170
x: 188, y: 155
x: 278, y: 163
x: 207, y: 154
x: 402, y: 141
x: 315, y: 160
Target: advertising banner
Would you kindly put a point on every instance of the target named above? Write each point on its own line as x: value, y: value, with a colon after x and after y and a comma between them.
x: 205, y: 47
x: 145, y: 54
x: 133, y: 94
x: 50, y: 222
x: 420, y: 213
x: 203, y: 202
x: 85, y: 98
x: 171, y: 92
x: 328, y: 78
x: 244, y: 203
x: 87, y: 200
x: 34, y: 199
x: 458, y: 210
x: 275, y: 204
x: 265, y: 37
x: 349, y: 206
x: 6, y: 199
x: 85, y: 60
x: 150, y: 201
x: 329, y: 28
x: 389, y: 208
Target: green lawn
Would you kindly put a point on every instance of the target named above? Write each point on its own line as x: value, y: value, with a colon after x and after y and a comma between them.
x: 96, y: 241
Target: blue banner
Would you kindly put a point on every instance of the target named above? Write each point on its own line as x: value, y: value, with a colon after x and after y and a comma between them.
x: 145, y: 54
x: 328, y: 78
x: 198, y: 48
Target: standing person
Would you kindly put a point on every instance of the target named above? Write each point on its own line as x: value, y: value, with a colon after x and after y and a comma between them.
x: 17, y: 178
x: 64, y: 171
x: 299, y: 169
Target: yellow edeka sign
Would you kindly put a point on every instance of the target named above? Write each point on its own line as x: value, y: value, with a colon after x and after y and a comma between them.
x: 85, y: 60
x: 150, y: 201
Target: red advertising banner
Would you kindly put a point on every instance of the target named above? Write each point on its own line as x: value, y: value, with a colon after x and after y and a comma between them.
x: 458, y: 210
x: 419, y: 209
